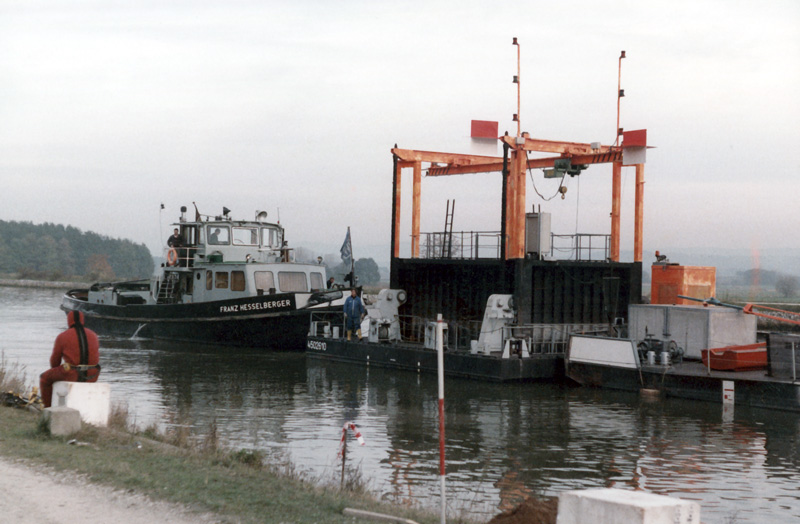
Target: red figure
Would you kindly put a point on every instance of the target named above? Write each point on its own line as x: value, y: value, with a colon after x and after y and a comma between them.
x: 79, y: 349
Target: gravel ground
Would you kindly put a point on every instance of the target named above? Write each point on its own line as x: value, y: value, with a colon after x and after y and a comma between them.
x: 35, y: 495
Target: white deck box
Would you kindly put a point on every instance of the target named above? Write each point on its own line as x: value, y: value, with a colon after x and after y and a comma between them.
x: 694, y: 328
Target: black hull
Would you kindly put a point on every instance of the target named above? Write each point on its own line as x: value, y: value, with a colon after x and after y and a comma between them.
x: 692, y: 381
x: 271, y: 322
x: 456, y: 363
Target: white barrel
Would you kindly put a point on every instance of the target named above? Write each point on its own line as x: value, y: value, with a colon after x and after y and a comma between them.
x: 665, y: 358
x: 651, y: 358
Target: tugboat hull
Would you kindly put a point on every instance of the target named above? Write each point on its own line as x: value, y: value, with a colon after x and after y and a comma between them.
x: 270, y: 322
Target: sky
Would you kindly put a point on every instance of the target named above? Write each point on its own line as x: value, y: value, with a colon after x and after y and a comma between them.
x: 109, y: 109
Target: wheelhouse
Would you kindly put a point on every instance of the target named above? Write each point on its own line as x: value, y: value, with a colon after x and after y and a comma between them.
x: 220, y: 259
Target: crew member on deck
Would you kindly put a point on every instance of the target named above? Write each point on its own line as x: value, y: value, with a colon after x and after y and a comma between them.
x: 353, y: 313
x: 75, y: 358
x: 175, y: 240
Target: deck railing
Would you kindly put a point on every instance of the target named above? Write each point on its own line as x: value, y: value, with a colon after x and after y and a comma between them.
x: 472, y: 245
x: 467, y: 245
x: 580, y: 246
x: 550, y: 338
x: 183, y: 256
x: 539, y: 338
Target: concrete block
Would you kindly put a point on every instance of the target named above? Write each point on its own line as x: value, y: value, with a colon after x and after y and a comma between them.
x: 613, y: 506
x: 92, y: 399
x: 62, y: 421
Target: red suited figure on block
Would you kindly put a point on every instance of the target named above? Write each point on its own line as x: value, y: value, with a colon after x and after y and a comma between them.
x: 75, y: 358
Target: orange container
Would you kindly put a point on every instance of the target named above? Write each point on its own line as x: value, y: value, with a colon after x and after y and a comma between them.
x: 737, y: 358
x: 670, y: 280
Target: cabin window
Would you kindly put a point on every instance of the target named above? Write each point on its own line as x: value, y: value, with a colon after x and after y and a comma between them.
x: 270, y: 237
x: 237, y: 280
x: 209, y: 279
x: 292, y: 281
x: 245, y: 236
x: 221, y: 280
x: 316, y: 281
x: 218, y: 235
x: 265, y: 280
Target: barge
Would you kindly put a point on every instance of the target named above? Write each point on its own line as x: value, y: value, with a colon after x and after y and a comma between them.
x: 557, y: 282
x: 504, y: 351
x: 229, y: 282
x: 760, y: 375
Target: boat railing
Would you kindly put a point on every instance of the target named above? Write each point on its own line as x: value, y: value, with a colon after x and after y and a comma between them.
x: 459, y: 333
x: 580, y: 246
x: 327, y: 324
x: 539, y: 338
x: 783, y: 355
x: 465, y: 245
x: 549, y: 338
x: 180, y: 256
x: 412, y: 328
x: 472, y: 245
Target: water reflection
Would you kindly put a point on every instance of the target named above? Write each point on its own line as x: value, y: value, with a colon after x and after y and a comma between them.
x: 504, y: 442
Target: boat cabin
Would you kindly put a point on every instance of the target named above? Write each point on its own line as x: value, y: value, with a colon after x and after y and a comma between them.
x: 220, y: 259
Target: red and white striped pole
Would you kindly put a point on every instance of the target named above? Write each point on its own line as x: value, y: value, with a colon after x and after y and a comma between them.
x: 440, y: 361
x: 343, y: 443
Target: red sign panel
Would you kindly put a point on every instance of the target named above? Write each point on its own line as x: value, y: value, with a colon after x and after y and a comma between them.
x: 484, y: 129
x: 637, y: 138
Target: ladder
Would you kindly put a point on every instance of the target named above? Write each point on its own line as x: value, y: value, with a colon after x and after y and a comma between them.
x: 167, y: 291
x: 447, y: 238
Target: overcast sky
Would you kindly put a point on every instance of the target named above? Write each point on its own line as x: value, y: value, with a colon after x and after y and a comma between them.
x: 108, y: 109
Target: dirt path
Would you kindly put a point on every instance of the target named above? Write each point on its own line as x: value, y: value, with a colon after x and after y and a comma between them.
x: 35, y: 495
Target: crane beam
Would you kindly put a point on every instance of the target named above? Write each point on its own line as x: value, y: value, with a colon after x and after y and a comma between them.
x: 533, y: 163
x: 412, y: 155
x: 555, y: 146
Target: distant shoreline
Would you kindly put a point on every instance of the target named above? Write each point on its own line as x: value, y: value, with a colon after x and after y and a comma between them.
x: 41, y: 284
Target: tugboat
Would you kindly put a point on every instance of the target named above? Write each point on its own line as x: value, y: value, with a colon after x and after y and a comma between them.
x: 227, y: 282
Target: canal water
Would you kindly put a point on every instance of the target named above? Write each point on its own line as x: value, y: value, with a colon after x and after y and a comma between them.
x: 504, y: 442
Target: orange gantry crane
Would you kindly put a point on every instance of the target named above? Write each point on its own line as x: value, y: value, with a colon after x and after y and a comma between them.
x: 513, y: 165
x: 571, y: 158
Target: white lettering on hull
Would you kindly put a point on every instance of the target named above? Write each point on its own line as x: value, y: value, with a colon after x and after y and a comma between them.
x: 256, y: 306
x: 316, y: 345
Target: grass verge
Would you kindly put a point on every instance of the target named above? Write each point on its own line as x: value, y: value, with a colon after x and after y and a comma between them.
x: 237, y: 486
x: 12, y: 377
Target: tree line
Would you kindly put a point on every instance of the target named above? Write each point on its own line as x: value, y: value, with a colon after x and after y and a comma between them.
x: 786, y: 285
x: 56, y: 252
x: 366, y: 269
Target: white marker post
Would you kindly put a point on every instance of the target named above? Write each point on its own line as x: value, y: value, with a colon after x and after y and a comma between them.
x: 440, y: 361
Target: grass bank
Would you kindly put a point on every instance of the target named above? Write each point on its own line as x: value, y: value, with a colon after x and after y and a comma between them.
x: 237, y: 486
